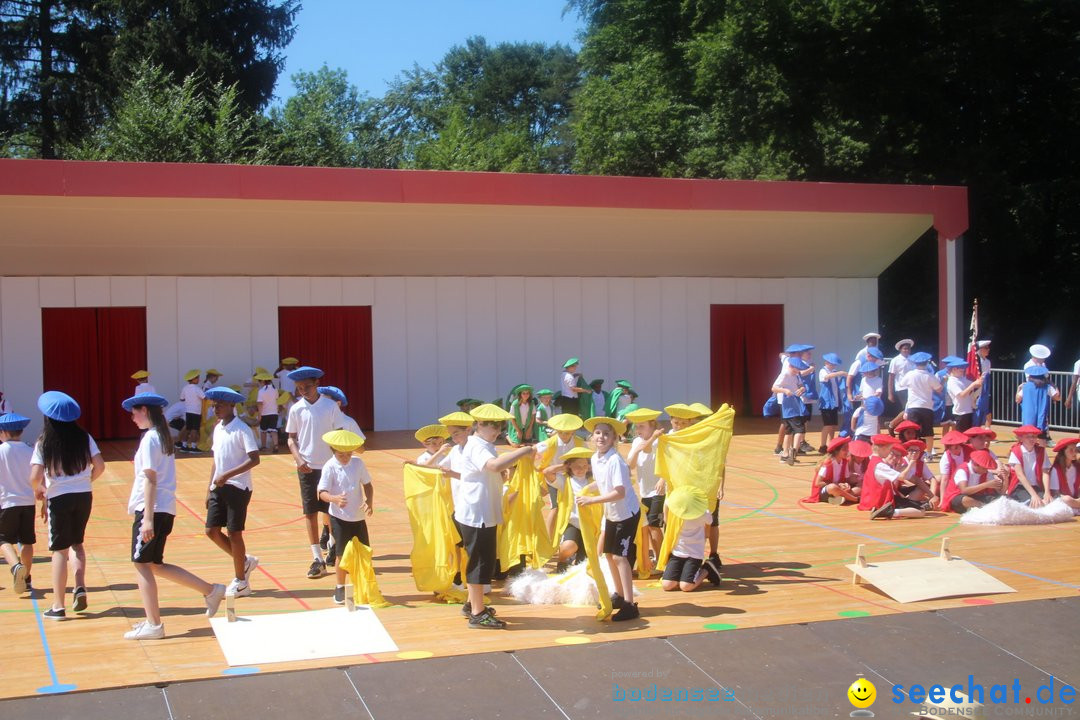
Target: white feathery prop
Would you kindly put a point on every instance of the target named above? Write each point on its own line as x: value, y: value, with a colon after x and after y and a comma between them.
x: 1006, y: 511
x: 573, y: 587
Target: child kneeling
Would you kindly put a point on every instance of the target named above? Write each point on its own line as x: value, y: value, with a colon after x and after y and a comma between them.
x: 685, y: 568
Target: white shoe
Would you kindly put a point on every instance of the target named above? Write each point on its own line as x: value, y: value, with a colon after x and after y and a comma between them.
x: 213, y: 600
x: 238, y: 588
x: 250, y: 564
x: 18, y: 575
x: 487, y: 589
x: 146, y: 631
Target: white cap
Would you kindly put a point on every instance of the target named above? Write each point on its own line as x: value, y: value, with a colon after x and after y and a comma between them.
x: 905, y: 341
x: 1040, y: 352
x: 869, y: 335
x: 983, y: 343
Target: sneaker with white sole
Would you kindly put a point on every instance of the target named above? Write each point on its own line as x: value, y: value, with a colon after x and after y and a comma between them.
x: 238, y: 588
x: 486, y: 620
x: 339, y: 595
x: 55, y: 614
x: 18, y: 574
x: 146, y: 631
x: 250, y: 564
x: 317, y: 569
x: 213, y: 600
x: 79, y: 597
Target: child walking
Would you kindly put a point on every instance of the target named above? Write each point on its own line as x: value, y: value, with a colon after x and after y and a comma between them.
x: 340, y: 485
x: 16, y: 501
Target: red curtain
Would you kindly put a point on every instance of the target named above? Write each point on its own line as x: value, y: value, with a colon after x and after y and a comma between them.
x: 745, y: 342
x: 90, y: 353
x: 336, y: 340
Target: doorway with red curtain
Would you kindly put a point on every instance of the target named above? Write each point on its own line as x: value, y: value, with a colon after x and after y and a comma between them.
x: 337, y: 340
x: 90, y: 353
x: 745, y: 344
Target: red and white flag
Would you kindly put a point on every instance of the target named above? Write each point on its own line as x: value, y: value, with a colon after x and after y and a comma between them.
x: 974, y: 367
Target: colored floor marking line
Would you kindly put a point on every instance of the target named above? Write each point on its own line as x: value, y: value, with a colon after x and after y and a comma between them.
x: 57, y: 686
x: 240, y: 671
x: 773, y: 499
x: 853, y: 613
x: 720, y: 626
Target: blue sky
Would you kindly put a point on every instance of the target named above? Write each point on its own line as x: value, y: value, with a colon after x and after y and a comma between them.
x: 375, y: 41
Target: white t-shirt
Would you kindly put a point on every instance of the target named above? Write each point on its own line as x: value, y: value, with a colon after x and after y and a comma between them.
x: 1076, y: 371
x: 870, y: 386
x: 962, y: 405
x: 267, y: 399
x: 577, y: 484
x: 966, y: 474
x: 561, y: 449
x: 192, y: 396
x: 609, y: 472
x: 786, y: 380
x: 691, y: 540
x: 900, y: 365
x: 309, y: 422
x: 455, y: 460
x: 151, y: 456
x: 425, y: 458
x: 347, y: 480
x: 145, y: 388
x: 284, y: 383
x: 646, y: 467
x: 568, y: 385
x: 232, y: 443
x: 921, y: 385
x: 865, y: 424
x: 479, y: 490
x: 837, y: 472
x: 884, y: 473
x: 1032, y: 362
x: 64, y: 484
x: 15, y: 486
x: 1027, y: 462
x: 347, y: 423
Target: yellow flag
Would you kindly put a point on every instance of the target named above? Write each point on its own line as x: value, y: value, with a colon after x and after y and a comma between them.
x: 430, y: 506
x: 590, y: 517
x: 356, y: 560
x: 524, y: 531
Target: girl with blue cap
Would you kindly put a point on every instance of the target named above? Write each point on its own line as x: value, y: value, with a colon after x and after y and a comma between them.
x: 65, y: 462
x: 16, y: 500
x: 153, y: 504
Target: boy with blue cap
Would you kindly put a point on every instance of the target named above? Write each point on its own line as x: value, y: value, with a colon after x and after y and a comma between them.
x: 962, y: 391
x: 228, y: 495
x: 865, y: 421
x: 310, y: 418
x: 16, y: 500
x: 921, y: 384
x: 829, y: 397
x: 789, y: 389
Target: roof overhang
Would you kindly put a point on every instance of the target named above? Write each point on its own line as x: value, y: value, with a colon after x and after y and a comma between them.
x: 81, y: 218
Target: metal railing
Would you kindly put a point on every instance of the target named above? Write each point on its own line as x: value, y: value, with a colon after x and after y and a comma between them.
x: 1004, y: 382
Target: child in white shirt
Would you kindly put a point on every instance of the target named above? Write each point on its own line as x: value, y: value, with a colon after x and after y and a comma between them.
x: 16, y: 500
x: 340, y: 485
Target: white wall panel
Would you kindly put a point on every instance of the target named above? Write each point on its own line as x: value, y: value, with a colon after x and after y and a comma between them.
x: 566, y: 293
x: 195, y: 323
x: 357, y: 291
x: 264, y: 323
x: 326, y: 291
x: 620, y: 320
x: 390, y: 354
x: 162, y: 336
x: 826, y: 314
x: 672, y: 350
x: 510, y: 332
x: 849, y: 319
x: 92, y: 292
x: 20, y: 323
x: 232, y: 328
x: 451, y: 330
x: 647, y: 343
x: 799, y: 311
x: 57, y: 291
x: 294, y: 291
x: 540, y: 359
x: 595, y: 362
x: 723, y: 291
x: 481, y: 302
x: 422, y: 362
x: 697, y: 340
x: 127, y: 291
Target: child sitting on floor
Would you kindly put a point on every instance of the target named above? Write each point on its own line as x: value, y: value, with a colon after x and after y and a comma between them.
x: 830, y: 482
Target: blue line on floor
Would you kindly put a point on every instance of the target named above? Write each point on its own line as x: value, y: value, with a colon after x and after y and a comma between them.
x: 56, y: 686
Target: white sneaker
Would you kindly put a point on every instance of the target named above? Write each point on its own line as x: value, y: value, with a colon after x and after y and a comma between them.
x: 18, y: 575
x: 146, y: 631
x: 213, y: 600
x: 238, y: 588
x: 250, y: 564
x: 487, y: 589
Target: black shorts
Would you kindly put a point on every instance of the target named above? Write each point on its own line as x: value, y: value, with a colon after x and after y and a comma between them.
x: 957, y: 503
x: 227, y: 507
x: 682, y: 569
x: 830, y: 417
x: 153, y: 551
x: 924, y: 417
x: 654, y: 516
x: 620, y: 537
x: 192, y: 421
x: 17, y: 525
x: 345, y: 530
x: 309, y: 492
x: 795, y: 425
x: 964, y: 422
x: 823, y: 494
x: 68, y: 515
x: 809, y: 412
x: 572, y: 533
x: 1021, y: 495
x: 715, y: 522
x: 268, y: 422
x: 177, y: 423
x: 480, y: 545
x: 570, y: 406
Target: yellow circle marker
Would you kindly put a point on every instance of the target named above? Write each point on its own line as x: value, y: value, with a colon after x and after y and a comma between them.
x: 573, y: 640
x: 862, y: 693
x: 415, y: 654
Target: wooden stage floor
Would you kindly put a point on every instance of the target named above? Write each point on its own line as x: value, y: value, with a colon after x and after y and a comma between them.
x: 784, y: 564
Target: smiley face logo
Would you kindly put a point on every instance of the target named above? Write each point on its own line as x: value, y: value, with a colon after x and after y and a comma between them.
x: 862, y: 693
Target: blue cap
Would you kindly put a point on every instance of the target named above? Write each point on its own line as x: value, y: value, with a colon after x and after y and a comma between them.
x: 224, y: 394
x: 920, y: 358
x: 1037, y: 371
x: 875, y: 353
x: 832, y: 359
x: 951, y: 359
x: 955, y: 362
x: 144, y: 399
x: 13, y: 422
x: 798, y: 363
x: 796, y: 348
x: 56, y: 405
x: 305, y: 373
x: 334, y: 394
x: 874, y: 406
x: 868, y: 367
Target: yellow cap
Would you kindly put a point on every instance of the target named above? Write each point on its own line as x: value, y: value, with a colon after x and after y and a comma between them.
x: 687, y: 502
x: 263, y: 376
x: 290, y: 361
x: 564, y: 422
x: 212, y: 371
x: 140, y: 375
x: 490, y: 412
x: 283, y: 397
x: 700, y: 409
x: 457, y: 419
x: 191, y: 375
x: 681, y: 410
x: 582, y: 453
x: 642, y: 415
x: 343, y: 440
x: 260, y: 369
x: 430, y: 431
x: 618, y: 425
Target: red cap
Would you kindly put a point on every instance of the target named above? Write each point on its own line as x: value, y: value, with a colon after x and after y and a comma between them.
x: 837, y: 444
x: 984, y: 459
x: 915, y: 445
x: 1062, y: 444
x: 907, y: 425
x: 1027, y: 430
x: 977, y: 431
x: 884, y: 440
x: 860, y: 449
x: 954, y: 437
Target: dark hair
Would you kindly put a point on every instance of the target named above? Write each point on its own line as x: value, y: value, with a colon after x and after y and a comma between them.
x: 157, y: 417
x: 65, y: 448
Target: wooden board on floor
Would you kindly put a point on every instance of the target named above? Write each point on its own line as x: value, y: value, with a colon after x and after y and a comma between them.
x: 907, y: 581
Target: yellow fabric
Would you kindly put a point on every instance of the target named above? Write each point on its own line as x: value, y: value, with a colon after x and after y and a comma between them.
x: 434, y: 556
x: 644, y: 542
x: 562, y: 517
x: 687, y: 501
x: 696, y: 456
x: 356, y: 560
x: 590, y: 517
x: 524, y: 531
x: 206, y: 430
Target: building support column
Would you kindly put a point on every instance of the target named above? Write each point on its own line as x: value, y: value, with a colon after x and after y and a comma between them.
x: 950, y: 297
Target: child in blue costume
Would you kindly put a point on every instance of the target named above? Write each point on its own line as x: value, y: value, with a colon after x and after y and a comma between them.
x: 1034, y: 397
